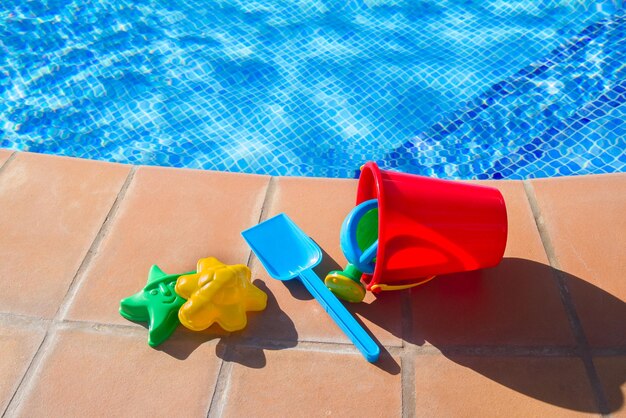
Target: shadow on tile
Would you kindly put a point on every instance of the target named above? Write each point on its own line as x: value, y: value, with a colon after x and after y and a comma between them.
x: 254, y: 358
x: 386, y: 361
x: 298, y: 291
x: 515, y: 305
x: 612, y: 372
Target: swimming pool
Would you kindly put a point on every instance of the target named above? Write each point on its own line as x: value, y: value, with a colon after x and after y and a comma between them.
x: 455, y: 89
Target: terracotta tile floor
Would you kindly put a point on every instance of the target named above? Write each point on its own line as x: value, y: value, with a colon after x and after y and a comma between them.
x: 543, y: 333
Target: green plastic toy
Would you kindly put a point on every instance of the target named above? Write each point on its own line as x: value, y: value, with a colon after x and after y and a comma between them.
x: 156, y: 304
x: 346, y: 284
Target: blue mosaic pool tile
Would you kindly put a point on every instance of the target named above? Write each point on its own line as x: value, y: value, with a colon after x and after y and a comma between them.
x: 529, y: 133
x: 311, y: 88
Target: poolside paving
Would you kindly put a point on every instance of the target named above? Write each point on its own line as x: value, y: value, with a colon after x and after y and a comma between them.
x: 4, y: 156
x: 52, y: 210
x: 543, y: 333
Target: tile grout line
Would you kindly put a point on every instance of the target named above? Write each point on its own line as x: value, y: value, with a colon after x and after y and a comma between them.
x: 335, y: 347
x: 222, y: 382
x: 34, y: 364
x: 9, y: 318
x: 38, y: 360
x: 407, y: 360
x: 8, y: 160
x: 608, y: 352
x: 582, y: 343
x: 269, y: 196
x: 407, y: 379
x: 80, y: 275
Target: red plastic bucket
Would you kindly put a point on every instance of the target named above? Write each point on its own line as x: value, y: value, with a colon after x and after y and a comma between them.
x: 429, y: 227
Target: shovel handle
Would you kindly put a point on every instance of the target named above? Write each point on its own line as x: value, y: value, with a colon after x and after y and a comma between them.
x: 342, y: 317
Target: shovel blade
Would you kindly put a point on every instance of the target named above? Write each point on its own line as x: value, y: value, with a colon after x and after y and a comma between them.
x: 282, y: 247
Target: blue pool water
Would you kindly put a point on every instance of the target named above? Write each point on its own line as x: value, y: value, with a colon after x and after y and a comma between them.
x: 448, y: 88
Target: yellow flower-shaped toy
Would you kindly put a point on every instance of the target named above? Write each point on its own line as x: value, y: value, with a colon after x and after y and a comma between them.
x: 218, y: 293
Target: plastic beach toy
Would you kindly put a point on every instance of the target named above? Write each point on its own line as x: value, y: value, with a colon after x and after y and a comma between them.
x: 218, y: 293
x: 156, y: 304
x: 359, y: 243
x: 359, y: 235
x: 287, y: 252
x: 427, y: 227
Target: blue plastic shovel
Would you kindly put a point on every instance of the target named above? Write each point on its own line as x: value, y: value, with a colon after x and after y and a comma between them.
x: 287, y: 252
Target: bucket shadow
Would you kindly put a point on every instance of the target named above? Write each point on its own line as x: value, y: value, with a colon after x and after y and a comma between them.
x: 184, y: 342
x: 492, y: 321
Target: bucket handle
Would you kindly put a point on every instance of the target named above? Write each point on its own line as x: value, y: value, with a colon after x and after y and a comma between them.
x: 362, y: 260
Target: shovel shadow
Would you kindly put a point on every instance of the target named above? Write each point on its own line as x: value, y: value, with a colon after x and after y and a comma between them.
x: 517, y: 306
x: 386, y: 361
x: 272, y: 327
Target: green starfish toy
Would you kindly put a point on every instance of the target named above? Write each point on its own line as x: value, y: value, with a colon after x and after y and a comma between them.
x: 157, y: 304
